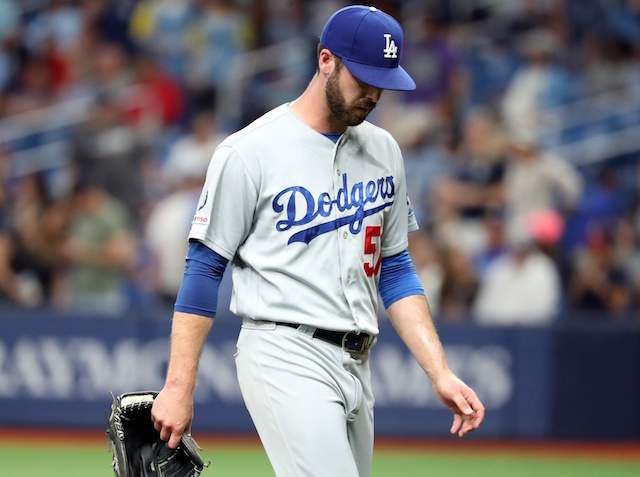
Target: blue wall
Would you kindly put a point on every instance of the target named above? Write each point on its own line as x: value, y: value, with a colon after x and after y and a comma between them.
x: 562, y: 382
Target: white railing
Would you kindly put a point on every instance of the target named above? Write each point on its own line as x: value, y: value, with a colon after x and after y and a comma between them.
x: 598, y: 146
x: 52, y: 149
x: 589, y: 110
x: 55, y: 116
x: 600, y: 142
x: 72, y: 112
x: 49, y: 124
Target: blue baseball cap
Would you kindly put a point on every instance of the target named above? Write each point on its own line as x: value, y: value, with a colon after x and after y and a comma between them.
x: 369, y: 42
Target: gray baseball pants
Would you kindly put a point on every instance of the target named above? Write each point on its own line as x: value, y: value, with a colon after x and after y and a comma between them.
x: 310, y: 400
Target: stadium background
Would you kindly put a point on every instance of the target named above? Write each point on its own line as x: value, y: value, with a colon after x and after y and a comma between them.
x: 522, y: 140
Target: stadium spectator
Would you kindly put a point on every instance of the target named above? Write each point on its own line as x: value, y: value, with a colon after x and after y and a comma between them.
x: 626, y: 256
x: 105, y: 146
x: 521, y: 287
x: 599, y: 207
x: 31, y: 88
x: 435, y: 63
x: 608, y: 66
x: 160, y: 27
x: 37, y: 228
x: 9, y: 39
x: 220, y: 31
x: 110, y: 70
x: 169, y: 221
x: 190, y: 154
x: 460, y: 285
x: 425, y: 166
x: 541, y: 82
x: 537, y: 180
x: 111, y: 21
x: 16, y: 287
x: 599, y: 286
x: 100, y: 251
x: 283, y: 26
x: 155, y: 102
x: 60, y: 22
x: 166, y: 232
x: 495, y: 244
x: 475, y: 185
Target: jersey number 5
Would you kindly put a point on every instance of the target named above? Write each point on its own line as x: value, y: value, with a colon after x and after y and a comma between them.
x: 370, y: 248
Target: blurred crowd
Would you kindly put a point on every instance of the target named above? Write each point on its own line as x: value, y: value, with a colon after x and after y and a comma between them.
x: 519, y: 143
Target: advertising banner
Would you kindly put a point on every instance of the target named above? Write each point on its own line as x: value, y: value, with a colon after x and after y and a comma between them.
x: 59, y: 372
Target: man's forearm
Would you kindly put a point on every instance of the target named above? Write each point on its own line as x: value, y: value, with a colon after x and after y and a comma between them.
x: 412, y: 320
x: 188, y: 335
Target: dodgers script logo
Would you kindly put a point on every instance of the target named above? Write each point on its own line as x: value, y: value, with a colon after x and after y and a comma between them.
x: 347, y: 199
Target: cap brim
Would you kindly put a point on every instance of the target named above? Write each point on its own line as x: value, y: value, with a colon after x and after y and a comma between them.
x: 396, y: 79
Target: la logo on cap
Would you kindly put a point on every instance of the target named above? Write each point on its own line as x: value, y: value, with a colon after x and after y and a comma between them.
x: 390, y: 50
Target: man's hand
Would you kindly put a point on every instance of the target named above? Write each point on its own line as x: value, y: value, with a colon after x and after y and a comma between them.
x: 468, y: 411
x: 172, y: 413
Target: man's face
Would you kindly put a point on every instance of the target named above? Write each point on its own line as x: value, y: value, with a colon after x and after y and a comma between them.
x: 350, y: 100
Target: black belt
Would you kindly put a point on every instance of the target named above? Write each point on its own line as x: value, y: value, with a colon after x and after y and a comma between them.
x: 349, y: 341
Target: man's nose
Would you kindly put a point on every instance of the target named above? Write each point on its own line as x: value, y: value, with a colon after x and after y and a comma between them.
x: 373, y: 93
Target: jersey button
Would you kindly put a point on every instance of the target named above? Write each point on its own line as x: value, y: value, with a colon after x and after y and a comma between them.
x: 348, y: 279
x: 339, y: 173
x: 345, y: 235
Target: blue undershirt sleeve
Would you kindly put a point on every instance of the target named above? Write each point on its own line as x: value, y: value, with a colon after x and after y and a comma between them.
x: 202, y: 276
x: 398, y: 279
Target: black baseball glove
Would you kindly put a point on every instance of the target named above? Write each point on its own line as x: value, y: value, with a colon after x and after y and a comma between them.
x: 137, y: 448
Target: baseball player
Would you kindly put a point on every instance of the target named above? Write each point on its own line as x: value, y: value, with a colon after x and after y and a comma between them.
x: 309, y: 205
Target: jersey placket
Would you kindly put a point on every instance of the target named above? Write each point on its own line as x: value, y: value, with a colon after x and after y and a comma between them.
x: 346, y: 241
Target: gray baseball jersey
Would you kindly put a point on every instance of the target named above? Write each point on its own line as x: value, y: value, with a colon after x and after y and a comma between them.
x: 305, y: 221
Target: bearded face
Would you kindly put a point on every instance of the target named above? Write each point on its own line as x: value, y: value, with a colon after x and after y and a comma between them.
x: 352, y: 113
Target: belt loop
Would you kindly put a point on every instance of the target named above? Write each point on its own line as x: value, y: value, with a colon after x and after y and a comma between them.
x: 307, y: 330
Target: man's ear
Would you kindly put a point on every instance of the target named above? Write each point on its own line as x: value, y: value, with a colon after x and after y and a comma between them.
x: 326, y: 62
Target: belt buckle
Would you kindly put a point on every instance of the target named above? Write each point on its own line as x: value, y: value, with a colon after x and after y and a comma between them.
x: 361, y: 343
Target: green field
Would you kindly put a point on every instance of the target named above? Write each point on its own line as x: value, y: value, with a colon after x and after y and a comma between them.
x: 23, y: 460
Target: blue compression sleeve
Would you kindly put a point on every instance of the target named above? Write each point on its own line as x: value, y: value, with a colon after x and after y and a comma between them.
x: 202, y: 276
x: 398, y: 279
